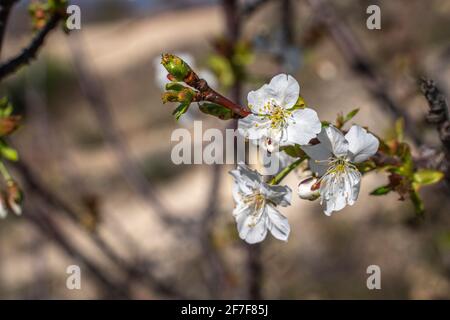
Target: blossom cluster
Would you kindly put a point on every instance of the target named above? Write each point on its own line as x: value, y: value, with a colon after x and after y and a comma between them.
x: 333, y: 158
x: 278, y: 120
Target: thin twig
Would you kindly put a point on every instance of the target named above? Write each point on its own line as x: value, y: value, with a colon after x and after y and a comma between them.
x: 45, y: 223
x: 35, y: 185
x: 29, y: 52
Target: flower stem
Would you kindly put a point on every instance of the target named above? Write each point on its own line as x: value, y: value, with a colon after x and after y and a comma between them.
x: 283, y: 173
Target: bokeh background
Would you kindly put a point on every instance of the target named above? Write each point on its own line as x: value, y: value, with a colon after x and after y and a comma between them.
x: 102, y: 192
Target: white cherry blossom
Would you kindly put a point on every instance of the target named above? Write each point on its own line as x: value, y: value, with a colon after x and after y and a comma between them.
x: 333, y: 160
x: 273, y: 119
x: 256, y: 202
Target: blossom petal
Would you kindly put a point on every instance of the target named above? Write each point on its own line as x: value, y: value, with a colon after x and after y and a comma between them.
x: 333, y: 139
x: 332, y: 194
x: 257, y: 99
x: 277, y: 224
x: 319, y: 155
x: 353, y: 185
x: 304, y: 126
x: 253, y: 127
x: 339, y: 190
x: 280, y: 195
x: 253, y: 233
x: 362, y: 144
x: 284, y: 89
x: 246, y: 181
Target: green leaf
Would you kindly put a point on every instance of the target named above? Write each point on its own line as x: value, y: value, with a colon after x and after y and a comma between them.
x: 174, y: 86
x: 8, y: 152
x: 351, y: 114
x: 417, y: 202
x: 6, y: 107
x: 381, y: 191
x: 294, y: 151
x: 181, y: 109
x: 427, y: 176
x: 216, y: 110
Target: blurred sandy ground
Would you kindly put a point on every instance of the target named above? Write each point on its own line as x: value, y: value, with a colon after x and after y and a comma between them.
x: 324, y: 258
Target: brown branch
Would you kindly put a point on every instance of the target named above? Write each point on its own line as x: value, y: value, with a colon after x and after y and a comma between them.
x: 438, y: 115
x: 356, y: 57
x: 29, y: 52
x: 253, y: 262
x: 216, y: 276
x: 206, y: 93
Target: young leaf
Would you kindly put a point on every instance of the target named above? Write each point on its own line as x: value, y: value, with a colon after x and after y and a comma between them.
x: 216, y: 110
x: 174, y: 86
x: 293, y: 151
x: 8, y: 152
x: 181, y: 109
x: 427, y: 176
x: 351, y: 114
x: 380, y: 191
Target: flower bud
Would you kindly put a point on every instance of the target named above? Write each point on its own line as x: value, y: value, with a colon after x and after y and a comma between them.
x: 176, y: 67
x: 170, y: 96
x: 186, y: 95
x: 14, y: 197
x: 308, y: 189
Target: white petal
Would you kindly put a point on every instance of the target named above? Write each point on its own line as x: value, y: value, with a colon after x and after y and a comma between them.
x: 277, y: 224
x: 333, y: 139
x: 245, y: 181
x: 354, y: 183
x: 362, y: 144
x: 257, y: 99
x: 254, y: 234
x: 319, y: 155
x: 304, y: 126
x: 332, y: 194
x: 337, y: 191
x: 284, y: 89
x: 253, y: 127
x: 242, y: 172
x: 280, y: 195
